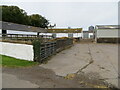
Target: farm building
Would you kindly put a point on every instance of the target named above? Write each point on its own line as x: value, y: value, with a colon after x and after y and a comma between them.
x: 87, y: 34
x: 66, y: 32
x: 24, y: 45
x: 106, y: 33
x: 7, y: 27
x: 91, y: 28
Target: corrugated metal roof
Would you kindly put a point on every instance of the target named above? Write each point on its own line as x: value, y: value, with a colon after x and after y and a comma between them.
x: 20, y: 27
x: 107, y: 26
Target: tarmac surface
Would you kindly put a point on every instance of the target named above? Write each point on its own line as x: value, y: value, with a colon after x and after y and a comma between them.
x: 85, y: 65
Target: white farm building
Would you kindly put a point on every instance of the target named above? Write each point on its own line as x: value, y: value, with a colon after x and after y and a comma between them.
x: 107, y: 33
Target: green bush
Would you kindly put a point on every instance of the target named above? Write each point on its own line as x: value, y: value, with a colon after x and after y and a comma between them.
x: 36, y: 48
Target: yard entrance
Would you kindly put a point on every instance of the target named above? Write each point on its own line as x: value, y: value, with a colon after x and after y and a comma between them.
x: 85, y: 65
x: 98, y: 61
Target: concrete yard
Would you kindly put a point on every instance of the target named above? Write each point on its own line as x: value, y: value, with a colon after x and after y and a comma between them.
x: 90, y: 58
x: 11, y: 81
x: 85, y: 65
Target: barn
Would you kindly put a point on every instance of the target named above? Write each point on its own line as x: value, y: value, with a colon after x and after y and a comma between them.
x: 66, y: 32
x: 87, y: 34
x: 107, y: 33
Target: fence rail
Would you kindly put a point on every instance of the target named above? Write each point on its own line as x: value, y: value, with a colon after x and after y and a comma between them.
x: 50, y: 48
x: 61, y: 43
x: 47, y: 50
x: 24, y: 37
x: 45, y: 46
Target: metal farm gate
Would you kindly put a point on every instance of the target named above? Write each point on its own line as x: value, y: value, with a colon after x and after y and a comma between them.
x: 44, y: 50
x: 47, y: 50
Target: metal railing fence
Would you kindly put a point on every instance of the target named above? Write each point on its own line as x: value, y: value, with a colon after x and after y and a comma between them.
x: 50, y: 48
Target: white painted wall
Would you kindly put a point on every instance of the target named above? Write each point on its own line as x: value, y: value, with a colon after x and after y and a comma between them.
x: 107, y: 33
x: 66, y: 35
x: 20, y: 32
x: 77, y: 35
x: 20, y: 51
x: 90, y: 34
x: 61, y: 35
x: 0, y: 32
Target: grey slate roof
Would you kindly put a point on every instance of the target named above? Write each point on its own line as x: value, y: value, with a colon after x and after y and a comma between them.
x: 20, y: 27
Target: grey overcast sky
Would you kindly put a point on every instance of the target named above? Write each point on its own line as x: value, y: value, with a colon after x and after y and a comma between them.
x: 73, y: 14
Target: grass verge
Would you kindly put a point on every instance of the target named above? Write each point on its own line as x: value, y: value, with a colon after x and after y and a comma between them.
x: 7, y: 61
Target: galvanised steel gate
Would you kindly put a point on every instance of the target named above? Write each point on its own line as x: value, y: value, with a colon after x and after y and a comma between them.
x: 44, y: 50
x: 61, y: 43
x: 47, y: 50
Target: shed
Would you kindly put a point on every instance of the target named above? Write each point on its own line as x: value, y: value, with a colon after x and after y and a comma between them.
x: 19, y: 27
x: 107, y: 33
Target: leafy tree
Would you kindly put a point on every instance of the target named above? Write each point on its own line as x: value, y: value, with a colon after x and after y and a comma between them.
x: 38, y: 21
x: 16, y: 15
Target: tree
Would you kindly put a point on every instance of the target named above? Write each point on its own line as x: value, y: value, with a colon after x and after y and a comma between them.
x: 38, y: 21
x: 16, y: 15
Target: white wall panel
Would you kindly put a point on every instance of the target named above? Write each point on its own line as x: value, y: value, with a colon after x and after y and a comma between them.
x: 107, y: 33
x: 20, y: 51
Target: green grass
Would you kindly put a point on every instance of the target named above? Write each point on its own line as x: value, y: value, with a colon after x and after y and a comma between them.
x: 7, y: 61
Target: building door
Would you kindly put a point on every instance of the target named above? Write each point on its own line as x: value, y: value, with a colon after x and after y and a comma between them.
x: 70, y: 35
x: 54, y: 35
x: 85, y: 35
